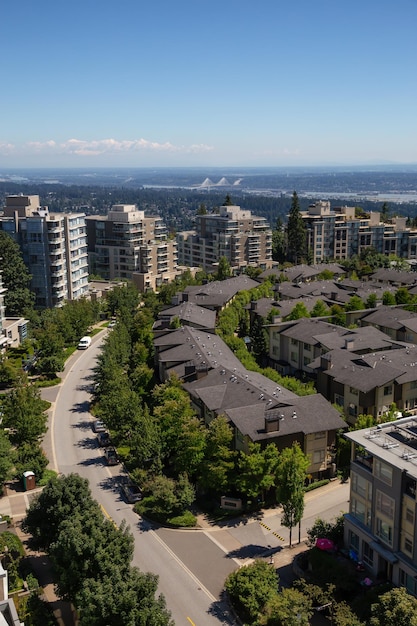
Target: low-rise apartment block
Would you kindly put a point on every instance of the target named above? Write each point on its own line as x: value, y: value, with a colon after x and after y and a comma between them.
x: 381, y: 526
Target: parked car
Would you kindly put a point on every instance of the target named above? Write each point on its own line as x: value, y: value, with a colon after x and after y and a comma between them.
x: 85, y: 342
x: 103, y: 438
x: 112, y: 324
x: 99, y: 426
x: 110, y: 454
x: 131, y: 492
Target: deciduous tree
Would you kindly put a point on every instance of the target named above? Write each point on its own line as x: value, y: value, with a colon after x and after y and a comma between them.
x: 291, y: 479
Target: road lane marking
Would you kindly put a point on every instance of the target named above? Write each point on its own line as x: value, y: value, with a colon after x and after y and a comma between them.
x: 191, y: 621
x: 184, y: 567
x: 272, y: 531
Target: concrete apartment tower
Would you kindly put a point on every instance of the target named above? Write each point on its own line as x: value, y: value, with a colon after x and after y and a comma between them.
x: 54, y: 248
x: 127, y: 245
x: 244, y: 239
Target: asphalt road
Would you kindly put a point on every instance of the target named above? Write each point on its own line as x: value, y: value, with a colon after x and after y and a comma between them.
x: 191, y: 565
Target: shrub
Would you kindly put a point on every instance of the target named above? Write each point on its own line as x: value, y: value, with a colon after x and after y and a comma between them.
x: 250, y: 588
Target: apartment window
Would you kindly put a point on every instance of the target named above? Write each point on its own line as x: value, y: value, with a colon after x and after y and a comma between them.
x: 353, y: 391
x: 307, y: 347
x: 385, y: 504
x: 360, y: 511
x: 407, y: 544
x: 354, y: 540
x: 367, y: 554
x: 361, y: 486
x: 409, y: 515
x: 384, y: 531
x: 320, y: 435
x: 388, y: 390
x: 409, y: 582
x: 306, y: 361
x: 339, y: 400
x: 294, y: 342
x: 293, y: 356
x: 318, y: 456
x: 353, y: 409
x: 383, y: 471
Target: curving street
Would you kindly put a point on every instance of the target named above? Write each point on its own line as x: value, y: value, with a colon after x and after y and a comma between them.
x: 191, y: 564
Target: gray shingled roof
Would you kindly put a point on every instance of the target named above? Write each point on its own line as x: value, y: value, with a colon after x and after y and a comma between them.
x: 218, y: 293
x: 224, y: 388
x: 307, y: 414
x: 389, y: 317
x: 192, y: 314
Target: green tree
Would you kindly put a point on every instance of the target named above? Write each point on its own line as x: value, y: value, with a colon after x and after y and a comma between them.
x: 290, y: 607
x: 23, y: 412
x: 202, y: 209
x: 223, y: 269
x: 259, y: 339
x: 63, y: 498
x: 78, y: 553
x: 355, y: 304
x: 250, y: 588
x: 218, y: 463
x: 296, y: 232
x: 342, y: 615
x: 320, y: 309
x: 256, y: 470
x: 291, y: 479
x: 30, y: 457
x: 394, y: 608
x: 119, y: 599
x: 278, y: 242
x: 388, y: 298
x: 402, y: 296
x: 15, y: 277
x: 6, y: 458
x: 300, y: 310
x: 371, y: 301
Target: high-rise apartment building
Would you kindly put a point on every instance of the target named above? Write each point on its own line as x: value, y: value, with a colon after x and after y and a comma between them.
x: 54, y: 248
x: 126, y: 244
x: 339, y: 234
x: 244, y: 239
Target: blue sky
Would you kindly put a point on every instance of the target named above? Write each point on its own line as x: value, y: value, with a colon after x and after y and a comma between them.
x: 192, y: 83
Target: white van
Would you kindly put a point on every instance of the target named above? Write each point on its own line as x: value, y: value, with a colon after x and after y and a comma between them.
x: 85, y: 342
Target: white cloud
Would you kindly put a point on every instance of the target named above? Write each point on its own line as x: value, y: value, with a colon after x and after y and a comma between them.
x: 81, y: 147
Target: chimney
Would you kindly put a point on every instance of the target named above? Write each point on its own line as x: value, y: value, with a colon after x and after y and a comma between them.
x: 253, y: 305
x: 272, y: 420
x: 349, y: 343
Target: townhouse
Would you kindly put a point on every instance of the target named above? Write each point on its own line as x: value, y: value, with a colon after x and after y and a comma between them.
x: 256, y: 407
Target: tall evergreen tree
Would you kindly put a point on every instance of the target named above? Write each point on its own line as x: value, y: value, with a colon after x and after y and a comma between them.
x: 16, y: 277
x: 278, y: 242
x: 296, y: 232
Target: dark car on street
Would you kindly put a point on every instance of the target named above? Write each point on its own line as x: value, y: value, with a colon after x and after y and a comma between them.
x: 103, y: 439
x: 131, y: 492
x: 110, y: 454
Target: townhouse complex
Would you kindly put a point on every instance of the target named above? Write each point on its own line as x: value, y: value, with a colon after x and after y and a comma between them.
x: 234, y: 233
x: 257, y: 409
x: 338, y: 234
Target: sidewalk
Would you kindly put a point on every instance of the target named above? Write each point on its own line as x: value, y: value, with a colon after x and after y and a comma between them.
x: 14, y: 504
